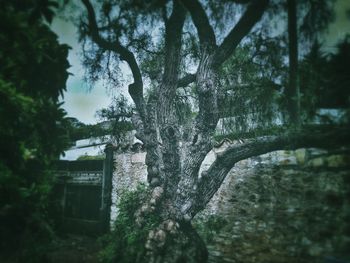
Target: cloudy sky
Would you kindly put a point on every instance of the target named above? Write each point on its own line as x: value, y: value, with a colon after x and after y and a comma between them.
x: 79, y: 101
x: 82, y: 104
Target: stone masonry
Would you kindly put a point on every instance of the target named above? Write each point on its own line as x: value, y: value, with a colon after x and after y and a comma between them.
x: 285, y: 206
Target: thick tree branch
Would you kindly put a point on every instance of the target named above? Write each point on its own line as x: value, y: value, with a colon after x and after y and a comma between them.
x: 200, y: 19
x: 166, y: 117
x: 326, y: 137
x: 206, y: 88
x: 172, y: 59
x: 201, y: 135
x: 136, y: 88
x: 251, y: 16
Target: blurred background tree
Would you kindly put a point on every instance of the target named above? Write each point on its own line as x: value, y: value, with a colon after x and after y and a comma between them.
x: 116, y: 118
x: 324, y: 79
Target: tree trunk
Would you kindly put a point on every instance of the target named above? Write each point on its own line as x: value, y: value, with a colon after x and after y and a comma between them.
x: 292, y: 92
x: 173, y: 242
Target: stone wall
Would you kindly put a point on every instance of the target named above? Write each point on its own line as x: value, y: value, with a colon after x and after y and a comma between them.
x: 285, y: 206
x: 129, y: 171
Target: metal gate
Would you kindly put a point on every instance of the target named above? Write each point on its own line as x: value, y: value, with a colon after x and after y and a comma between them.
x: 83, y: 195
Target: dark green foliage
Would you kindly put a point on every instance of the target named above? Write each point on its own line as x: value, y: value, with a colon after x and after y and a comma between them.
x: 338, y: 92
x: 318, y: 14
x: 312, y: 71
x: 111, y: 124
x: 126, y: 242
x: 33, y: 72
x: 34, y: 9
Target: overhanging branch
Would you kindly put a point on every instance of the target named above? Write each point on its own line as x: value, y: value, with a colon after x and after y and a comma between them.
x: 321, y: 137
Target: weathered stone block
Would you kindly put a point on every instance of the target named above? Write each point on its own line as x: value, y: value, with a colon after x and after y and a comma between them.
x: 138, y: 158
x: 317, y: 162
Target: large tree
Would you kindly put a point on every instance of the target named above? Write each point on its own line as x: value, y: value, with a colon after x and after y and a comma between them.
x: 160, y: 41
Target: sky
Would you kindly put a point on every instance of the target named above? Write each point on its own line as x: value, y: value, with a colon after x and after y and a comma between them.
x: 79, y: 101
x: 82, y: 103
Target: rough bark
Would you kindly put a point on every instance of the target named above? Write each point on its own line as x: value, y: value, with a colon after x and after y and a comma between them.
x: 175, y: 242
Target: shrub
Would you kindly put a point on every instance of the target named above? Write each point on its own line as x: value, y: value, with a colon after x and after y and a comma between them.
x: 126, y: 242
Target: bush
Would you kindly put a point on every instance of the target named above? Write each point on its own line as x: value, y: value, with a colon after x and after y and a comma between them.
x: 126, y: 242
